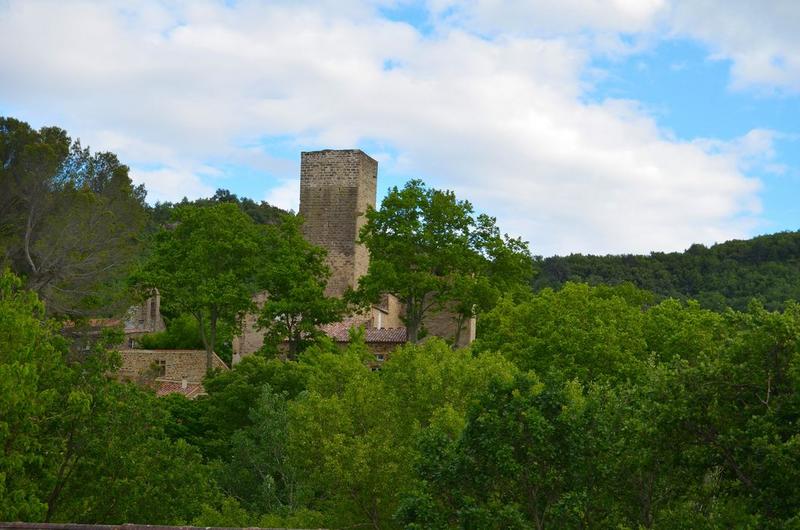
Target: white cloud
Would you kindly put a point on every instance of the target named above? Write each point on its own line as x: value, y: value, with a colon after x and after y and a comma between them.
x: 501, y: 120
x: 286, y: 195
x: 552, y: 17
x: 170, y: 184
x: 754, y: 150
x: 761, y: 39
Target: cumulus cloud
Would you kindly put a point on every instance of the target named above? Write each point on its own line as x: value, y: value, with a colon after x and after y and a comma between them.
x: 555, y: 17
x: 501, y: 120
x: 285, y: 195
x: 168, y: 184
x: 761, y: 39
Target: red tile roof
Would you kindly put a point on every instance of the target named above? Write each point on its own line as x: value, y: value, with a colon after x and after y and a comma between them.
x: 340, y: 332
x: 192, y: 390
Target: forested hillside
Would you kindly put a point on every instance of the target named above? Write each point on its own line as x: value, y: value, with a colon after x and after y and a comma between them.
x: 729, y: 274
x: 261, y: 212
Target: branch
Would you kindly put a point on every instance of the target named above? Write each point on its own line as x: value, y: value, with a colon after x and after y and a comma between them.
x: 28, y: 232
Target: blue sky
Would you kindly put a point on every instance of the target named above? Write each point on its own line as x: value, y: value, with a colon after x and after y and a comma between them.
x: 582, y: 125
x: 689, y: 94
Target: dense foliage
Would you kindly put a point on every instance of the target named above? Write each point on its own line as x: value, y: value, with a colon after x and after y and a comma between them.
x: 70, y: 221
x: 433, y: 253
x: 205, y: 265
x: 729, y: 274
x: 586, y: 407
x: 261, y: 213
x: 583, y: 406
x: 294, y: 275
x: 210, y: 262
x: 77, y: 445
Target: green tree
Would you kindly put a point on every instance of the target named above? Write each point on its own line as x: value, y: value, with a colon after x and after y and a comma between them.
x: 262, y: 213
x: 427, y: 249
x: 32, y: 369
x: 501, y: 265
x: 352, y: 432
x: 294, y: 281
x: 182, y: 333
x: 509, y: 468
x: 206, y: 265
x: 578, y: 331
x: 258, y: 471
x: 80, y: 446
x: 209, y: 423
x: 724, y: 275
x: 70, y: 221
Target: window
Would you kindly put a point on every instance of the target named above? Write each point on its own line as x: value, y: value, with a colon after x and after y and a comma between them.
x: 380, y: 357
x: 161, y: 367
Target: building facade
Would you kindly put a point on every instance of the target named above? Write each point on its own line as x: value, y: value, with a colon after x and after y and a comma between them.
x: 168, y: 371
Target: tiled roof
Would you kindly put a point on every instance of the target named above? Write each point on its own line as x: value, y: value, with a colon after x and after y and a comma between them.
x: 192, y: 390
x: 340, y: 332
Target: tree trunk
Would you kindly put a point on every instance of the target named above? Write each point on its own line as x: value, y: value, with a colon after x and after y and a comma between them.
x: 212, y: 321
x: 28, y: 234
x: 460, y: 319
x: 208, y: 342
x: 413, y: 320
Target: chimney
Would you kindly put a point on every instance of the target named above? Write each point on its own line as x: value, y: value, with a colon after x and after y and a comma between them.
x: 184, y: 384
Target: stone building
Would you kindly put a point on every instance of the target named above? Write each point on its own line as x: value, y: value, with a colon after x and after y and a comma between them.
x: 143, y: 319
x: 337, y: 187
x: 168, y: 371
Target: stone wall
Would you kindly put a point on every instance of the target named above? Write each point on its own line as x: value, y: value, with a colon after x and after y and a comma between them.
x: 443, y: 324
x: 388, y: 313
x: 145, y: 317
x: 177, y: 364
x: 250, y: 338
x: 336, y: 188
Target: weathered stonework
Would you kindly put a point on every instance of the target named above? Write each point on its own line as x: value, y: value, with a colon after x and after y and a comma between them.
x: 145, y: 317
x: 250, y: 339
x: 336, y: 188
x: 443, y: 324
x: 387, y: 313
x: 172, y: 365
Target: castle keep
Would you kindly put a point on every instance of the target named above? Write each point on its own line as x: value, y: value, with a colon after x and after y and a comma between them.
x: 336, y: 188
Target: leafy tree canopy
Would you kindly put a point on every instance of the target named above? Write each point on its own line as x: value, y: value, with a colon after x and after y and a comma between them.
x: 261, y: 212
x: 206, y: 265
x: 429, y: 250
x: 294, y: 278
x: 70, y: 220
x: 79, y: 446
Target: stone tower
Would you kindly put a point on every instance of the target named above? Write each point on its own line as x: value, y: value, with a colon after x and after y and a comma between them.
x: 336, y: 187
